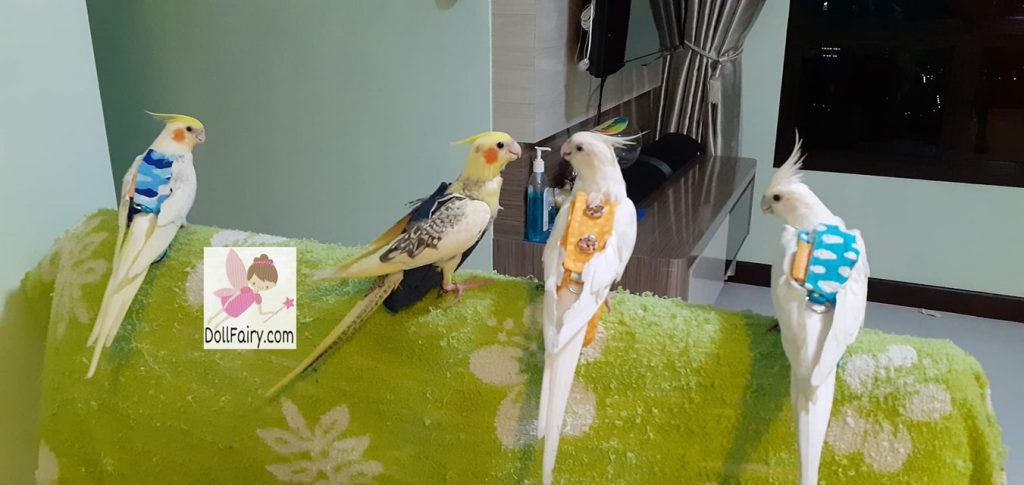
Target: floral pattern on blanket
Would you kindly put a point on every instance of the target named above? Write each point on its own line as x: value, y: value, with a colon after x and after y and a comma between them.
x: 886, y: 444
x: 502, y: 364
x: 72, y: 265
x: 325, y: 457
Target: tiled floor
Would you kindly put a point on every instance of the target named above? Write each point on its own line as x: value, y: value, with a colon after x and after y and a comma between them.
x: 997, y: 344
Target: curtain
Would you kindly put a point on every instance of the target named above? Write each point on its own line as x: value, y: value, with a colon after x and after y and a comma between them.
x: 700, y: 89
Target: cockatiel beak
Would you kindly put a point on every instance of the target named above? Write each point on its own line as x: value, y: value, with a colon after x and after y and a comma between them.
x: 766, y: 205
x: 514, y: 151
x: 200, y: 136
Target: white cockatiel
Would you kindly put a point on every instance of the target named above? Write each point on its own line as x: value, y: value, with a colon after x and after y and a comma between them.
x: 571, y: 301
x: 156, y: 196
x: 820, y: 316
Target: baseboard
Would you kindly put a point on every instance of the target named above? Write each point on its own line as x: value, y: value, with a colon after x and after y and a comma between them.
x: 965, y: 302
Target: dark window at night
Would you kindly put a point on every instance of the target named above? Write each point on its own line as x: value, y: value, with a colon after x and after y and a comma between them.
x: 926, y: 89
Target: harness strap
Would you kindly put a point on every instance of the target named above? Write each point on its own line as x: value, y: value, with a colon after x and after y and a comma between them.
x: 586, y: 233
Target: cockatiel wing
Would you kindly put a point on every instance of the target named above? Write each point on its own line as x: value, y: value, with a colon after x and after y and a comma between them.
x: 788, y: 297
x: 421, y: 210
x: 453, y: 224
x: 127, y: 192
x: 847, y: 317
x: 553, y: 257
x: 384, y: 239
x: 601, y: 272
x: 183, y: 193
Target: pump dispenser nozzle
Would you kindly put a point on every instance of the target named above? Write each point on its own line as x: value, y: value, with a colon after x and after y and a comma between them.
x: 538, y: 163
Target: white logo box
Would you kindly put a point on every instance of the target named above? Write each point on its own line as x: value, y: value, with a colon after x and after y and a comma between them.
x: 243, y: 308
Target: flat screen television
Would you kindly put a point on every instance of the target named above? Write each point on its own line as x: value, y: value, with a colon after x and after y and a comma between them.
x: 624, y: 31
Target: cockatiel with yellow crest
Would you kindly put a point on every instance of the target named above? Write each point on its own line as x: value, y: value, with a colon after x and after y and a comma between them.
x: 820, y: 292
x: 423, y: 249
x: 586, y: 254
x: 156, y: 196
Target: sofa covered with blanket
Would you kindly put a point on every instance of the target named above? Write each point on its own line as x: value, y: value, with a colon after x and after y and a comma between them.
x: 668, y: 393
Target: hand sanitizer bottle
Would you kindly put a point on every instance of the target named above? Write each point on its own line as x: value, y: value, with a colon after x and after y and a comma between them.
x: 539, y: 202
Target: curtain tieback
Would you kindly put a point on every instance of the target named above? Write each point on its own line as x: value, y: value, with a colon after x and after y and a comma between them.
x: 715, y: 81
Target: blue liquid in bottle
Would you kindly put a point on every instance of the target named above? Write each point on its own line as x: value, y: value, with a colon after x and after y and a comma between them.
x: 537, y: 215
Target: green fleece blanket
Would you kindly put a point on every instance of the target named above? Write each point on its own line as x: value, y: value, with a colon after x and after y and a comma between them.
x: 668, y: 393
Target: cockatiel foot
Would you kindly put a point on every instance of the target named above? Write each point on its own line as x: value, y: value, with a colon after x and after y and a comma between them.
x: 460, y: 288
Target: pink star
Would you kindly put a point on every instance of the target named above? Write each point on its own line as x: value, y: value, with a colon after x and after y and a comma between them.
x: 289, y: 302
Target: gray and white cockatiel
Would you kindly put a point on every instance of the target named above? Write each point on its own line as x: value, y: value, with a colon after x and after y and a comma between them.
x: 156, y: 195
x: 819, y: 290
x: 423, y: 249
x: 584, y: 257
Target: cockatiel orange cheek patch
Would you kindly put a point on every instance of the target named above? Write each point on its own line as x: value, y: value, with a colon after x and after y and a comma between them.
x: 491, y: 155
x: 178, y: 135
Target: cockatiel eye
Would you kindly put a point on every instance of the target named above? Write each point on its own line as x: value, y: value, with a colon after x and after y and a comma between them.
x: 500, y: 145
x: 188, y: 129
x: 579, y: 148
x: 777, y: 197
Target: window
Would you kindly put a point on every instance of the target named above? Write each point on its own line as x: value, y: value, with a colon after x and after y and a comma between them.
x: 924, y: 89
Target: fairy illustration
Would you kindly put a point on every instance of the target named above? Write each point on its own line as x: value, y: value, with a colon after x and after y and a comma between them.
x: 245, y: 287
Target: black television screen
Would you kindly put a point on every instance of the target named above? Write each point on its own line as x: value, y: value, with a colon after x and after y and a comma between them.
x: 624, y: 32
x: 610, y: 24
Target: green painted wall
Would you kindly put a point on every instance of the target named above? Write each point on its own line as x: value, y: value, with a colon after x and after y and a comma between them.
x: 935, y: 233
x: 53, y: 156
x: 323, y: 117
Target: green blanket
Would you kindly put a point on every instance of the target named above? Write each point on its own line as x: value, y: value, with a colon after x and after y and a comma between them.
x: 668, y: 393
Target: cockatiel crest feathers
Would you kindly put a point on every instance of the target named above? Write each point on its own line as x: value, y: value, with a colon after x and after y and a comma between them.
x: 790, y: 173
x: 171, y: 118
x: 616, y: 141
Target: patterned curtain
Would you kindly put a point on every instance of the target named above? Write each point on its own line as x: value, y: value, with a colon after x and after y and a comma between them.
x: 700, y: 93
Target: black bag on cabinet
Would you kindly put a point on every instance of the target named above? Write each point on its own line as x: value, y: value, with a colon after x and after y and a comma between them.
x: 657, y: 162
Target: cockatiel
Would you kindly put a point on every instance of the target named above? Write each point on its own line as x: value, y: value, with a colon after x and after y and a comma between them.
x: 819, y: 290
x: 590, y: 245
x: 156, y: 195
x: 422, y: 250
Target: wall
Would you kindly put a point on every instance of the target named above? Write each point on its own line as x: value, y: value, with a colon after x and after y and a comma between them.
x: 53, y: 154
x: 934, y: 233
x: 323, y: 117
x: 538, y: 89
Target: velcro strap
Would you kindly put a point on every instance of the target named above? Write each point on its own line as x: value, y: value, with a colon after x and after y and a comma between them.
x: 586, y: 234
x: 801, y: 260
